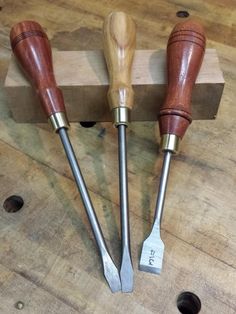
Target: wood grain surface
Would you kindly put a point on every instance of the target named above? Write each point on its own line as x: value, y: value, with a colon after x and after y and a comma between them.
x: 185, y: 52
x: 32, y: 49
x: 48, y: 258
x: 83, y: 75
x: 119, y: 42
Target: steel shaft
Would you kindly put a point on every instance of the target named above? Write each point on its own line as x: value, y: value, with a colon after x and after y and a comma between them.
x: 110, y: 271
x: 162, y: 187
x: 153, y: 247
x: 126, y: 270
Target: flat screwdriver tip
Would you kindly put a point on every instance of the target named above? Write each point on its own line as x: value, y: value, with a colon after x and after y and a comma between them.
x: 126, y: 272
x: 152, y: 253
x: 111, y: 273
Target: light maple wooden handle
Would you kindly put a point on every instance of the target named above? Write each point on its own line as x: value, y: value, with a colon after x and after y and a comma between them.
x: 119, y: 33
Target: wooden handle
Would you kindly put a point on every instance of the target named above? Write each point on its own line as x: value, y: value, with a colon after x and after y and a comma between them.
x: 185, y: 51
x: 119, y: 32
x: 32, y: 49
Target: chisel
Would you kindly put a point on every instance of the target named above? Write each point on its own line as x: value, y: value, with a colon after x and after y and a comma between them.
x: 185, y: 51
x: 119, y: 46
x: 32, y: 49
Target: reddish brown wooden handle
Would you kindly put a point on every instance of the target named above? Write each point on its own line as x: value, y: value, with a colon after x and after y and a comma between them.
x: 32, y: 49
x: 185, y: 51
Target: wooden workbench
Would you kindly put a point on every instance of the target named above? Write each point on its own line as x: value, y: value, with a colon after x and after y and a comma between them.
x: 48, y: 258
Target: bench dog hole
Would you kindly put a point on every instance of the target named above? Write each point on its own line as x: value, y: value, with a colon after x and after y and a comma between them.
x: 188, y: 303
x: 182, y: 14
x: 13, y: 203
x: 88, y: 124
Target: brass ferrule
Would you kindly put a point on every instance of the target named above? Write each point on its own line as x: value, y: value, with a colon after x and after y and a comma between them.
x: 170, y: 142
x: 121, y: 115
x: 59, y: 120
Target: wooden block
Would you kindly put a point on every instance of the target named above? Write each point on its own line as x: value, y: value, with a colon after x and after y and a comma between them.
x: 83, y: 78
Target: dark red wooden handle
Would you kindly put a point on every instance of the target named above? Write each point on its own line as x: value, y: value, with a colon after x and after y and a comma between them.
x: 32, y: 49
x: 185, y: 51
